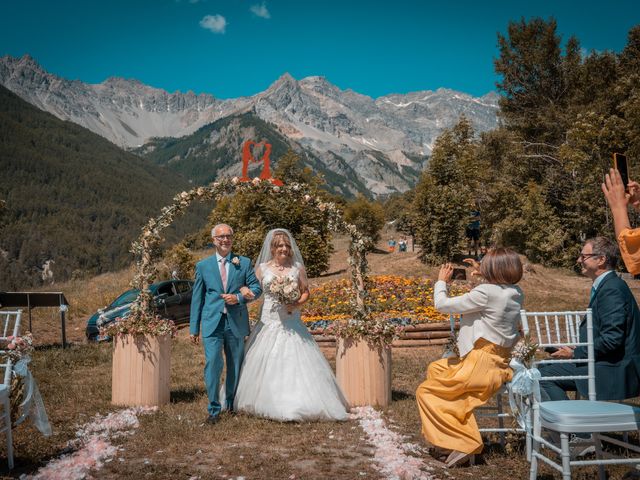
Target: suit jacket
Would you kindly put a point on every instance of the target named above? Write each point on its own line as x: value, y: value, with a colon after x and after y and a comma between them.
x: 616, y: 335
x: 207, y: 305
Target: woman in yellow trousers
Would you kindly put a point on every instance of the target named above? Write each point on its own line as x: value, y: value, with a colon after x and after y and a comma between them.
x: 455, y: 386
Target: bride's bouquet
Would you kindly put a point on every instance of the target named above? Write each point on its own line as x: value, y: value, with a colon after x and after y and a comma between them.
x: 284, y: 289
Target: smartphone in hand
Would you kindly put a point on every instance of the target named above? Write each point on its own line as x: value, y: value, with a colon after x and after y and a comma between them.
x: 620, y: 164
x: 550, y: 349
x: 459, y: 274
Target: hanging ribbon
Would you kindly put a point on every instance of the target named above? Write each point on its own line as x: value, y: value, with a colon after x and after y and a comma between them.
x: 32, y: 406
x: 523, y: 384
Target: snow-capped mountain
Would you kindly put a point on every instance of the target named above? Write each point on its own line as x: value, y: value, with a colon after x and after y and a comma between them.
x: 386, y: 141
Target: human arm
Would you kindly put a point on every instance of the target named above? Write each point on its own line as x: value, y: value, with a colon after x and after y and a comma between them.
x: 609, y: 321
x: 247, y: 293
x: 303, y: 285
x: 618, y: 200
x: 473, y: 301
x: 475, y: 265
x: 252, y: 283
x: 197, y: 303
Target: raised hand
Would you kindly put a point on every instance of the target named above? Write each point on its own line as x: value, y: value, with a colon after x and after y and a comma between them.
x: 618, y: 199
x: 634, y: 194
x: 614, y: 190
x: 475, y: 265
x: 446, y: 272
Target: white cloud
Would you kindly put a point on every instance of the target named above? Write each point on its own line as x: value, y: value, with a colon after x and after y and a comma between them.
x: 215, y: 23
x: 260, y: 10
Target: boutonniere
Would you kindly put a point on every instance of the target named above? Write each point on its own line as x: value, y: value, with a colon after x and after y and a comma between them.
x: 236, y: 261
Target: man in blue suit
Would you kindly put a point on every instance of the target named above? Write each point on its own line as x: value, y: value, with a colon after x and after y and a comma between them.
x: 224, y: 283
x: 616, y: 332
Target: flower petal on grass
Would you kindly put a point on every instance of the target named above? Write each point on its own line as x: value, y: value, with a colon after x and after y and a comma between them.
x: 390, y: 449
x: 93, y: 446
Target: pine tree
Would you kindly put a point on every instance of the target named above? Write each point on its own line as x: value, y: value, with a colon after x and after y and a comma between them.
x: 537, y: 79
x: 367, y: 216
x: 442, y: 199
x: 253, y: 214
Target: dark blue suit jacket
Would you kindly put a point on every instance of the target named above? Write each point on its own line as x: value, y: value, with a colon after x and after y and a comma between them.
x: 616, y: 331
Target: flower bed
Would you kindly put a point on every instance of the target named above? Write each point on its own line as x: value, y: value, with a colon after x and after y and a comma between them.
x: 400, y: 300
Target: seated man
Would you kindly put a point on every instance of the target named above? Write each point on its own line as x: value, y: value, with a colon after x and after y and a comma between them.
x: 616, y: 332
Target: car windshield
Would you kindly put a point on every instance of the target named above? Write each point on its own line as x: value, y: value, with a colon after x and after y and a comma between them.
x: 127, y: 297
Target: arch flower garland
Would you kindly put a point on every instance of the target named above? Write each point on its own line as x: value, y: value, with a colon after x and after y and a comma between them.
x: 146, y: 249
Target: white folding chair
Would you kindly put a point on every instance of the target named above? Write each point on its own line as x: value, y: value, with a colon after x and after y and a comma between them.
x: 505, y: 419
x: 556, y: 329
x: 5, y: 400
x: 10, y: 324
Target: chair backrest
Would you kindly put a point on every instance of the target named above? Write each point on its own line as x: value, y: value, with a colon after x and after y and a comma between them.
x: 559, y: 329
x: 10, y: 323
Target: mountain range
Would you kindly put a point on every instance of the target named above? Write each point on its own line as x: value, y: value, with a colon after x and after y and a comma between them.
x: 74, y: 201
x: 360, y: 144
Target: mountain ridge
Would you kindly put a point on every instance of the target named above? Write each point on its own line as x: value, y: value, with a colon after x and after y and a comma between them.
x: 321, y: 118
x: 72, y: 197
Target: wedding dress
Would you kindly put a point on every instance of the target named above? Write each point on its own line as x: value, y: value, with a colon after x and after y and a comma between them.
x: 284, y: 375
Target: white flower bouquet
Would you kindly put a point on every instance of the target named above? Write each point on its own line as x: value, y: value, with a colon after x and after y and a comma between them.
x: 284, y: 289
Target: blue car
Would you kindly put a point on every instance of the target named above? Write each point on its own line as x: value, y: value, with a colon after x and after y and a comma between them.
x: 172, y: 300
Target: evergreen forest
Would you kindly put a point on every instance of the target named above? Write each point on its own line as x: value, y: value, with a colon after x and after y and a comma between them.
x: 72, y: 197
x: 537, y: 179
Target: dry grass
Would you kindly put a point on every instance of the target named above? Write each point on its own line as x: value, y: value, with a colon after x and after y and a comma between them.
x: 174, y: 443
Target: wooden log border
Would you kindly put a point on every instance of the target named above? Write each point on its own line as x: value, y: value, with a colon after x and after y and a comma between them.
x: 419, y: 335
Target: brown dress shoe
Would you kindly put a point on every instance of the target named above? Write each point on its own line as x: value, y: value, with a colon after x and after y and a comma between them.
x: 212, y: 419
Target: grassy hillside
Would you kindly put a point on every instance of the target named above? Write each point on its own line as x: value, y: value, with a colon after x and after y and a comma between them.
x: 71, y: 196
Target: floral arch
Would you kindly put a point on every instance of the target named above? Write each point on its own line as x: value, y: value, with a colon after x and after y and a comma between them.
x: 147, y: 248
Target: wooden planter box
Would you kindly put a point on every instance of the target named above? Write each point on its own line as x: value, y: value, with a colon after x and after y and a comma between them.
x: 364, y: 373
x: 141, y: 370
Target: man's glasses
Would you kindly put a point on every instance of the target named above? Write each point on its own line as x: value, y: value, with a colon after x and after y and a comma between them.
x: 584, y: 256
x: 223, y: 237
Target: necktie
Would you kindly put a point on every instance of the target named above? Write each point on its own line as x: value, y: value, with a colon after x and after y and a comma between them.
x: 223, y: 273
x: 593, y: 294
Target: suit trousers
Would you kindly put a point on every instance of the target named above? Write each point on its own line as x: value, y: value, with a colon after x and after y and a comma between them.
x: 557, y: 389
x: 222, y: 338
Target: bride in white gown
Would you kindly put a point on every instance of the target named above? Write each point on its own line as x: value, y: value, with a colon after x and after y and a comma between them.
x: 284, y: 375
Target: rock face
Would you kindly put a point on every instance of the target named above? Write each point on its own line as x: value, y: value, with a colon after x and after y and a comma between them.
x: 385, y: 141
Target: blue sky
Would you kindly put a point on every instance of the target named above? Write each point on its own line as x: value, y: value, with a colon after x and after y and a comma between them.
x: 239, y: 47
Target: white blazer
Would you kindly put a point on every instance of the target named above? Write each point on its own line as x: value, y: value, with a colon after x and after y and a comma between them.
x: 488, y: 311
